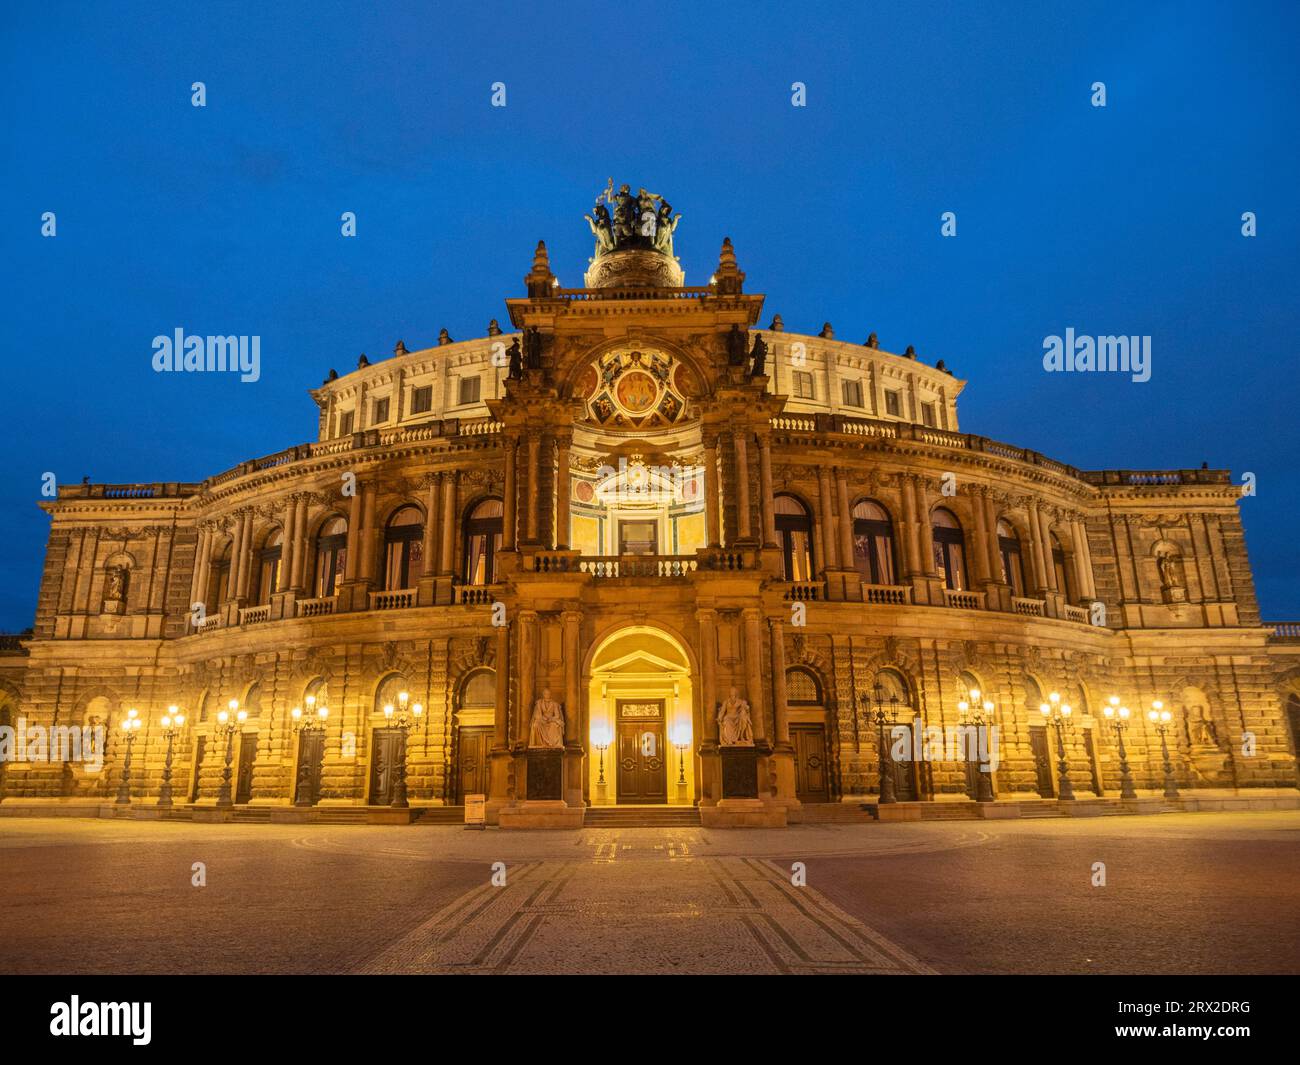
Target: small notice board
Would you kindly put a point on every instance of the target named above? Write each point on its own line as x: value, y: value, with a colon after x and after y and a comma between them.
x: 475, y: 811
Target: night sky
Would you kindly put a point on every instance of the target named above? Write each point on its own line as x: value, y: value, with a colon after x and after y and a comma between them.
x: 225, y: 219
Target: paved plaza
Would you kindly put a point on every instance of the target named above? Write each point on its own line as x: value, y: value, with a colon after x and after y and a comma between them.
x: 1183, y: 893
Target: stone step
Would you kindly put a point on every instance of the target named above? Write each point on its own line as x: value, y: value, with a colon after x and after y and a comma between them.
x: 641, y: 817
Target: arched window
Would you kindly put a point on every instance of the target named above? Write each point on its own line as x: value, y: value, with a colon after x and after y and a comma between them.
x: 331, y: 556
x: 1013, y: 567
x: 480, y: 690
x: 219, y: 579
x: 967, y: 683
x: 483, y: 540
x: 389, y: 689
x: 1033, y: 698
x: 252, y: 703
x: 794, y: 533
x: 892, y: 690
x: 204, y: 701
x: 268, y: 568
x: 1064, y: 584
x: 949, y: 549
x: 801, y: 688
x: 319, y: 691
x: 873, y: 543
x: 403, y: 549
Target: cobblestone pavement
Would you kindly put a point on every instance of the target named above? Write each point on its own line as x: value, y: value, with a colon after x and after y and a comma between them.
x: 1184, y: 893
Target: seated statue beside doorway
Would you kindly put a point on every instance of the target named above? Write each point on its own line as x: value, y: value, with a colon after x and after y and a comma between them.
x: 548, y: 722
x: 734, y: 726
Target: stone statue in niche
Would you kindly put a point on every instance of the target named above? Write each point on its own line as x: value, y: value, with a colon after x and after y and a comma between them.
x: 759, y: 356
x: 734, y: 726
x: 115, y: 587
x: 1173, y: 581
x: 548, y: 722
x: 1200, y: 727
x: 516, y: 357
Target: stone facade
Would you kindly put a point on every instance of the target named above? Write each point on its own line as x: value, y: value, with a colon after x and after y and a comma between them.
x: 622, y: 502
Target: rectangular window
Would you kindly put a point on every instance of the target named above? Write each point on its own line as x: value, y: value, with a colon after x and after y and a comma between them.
x: 422, y: 400
x: 853, y: 393
x: 345, y: 423
x: 928, y: 416
x: 803, y: 385
x: 381, y: 411
x: 469, y: 390
x: 893, y: 403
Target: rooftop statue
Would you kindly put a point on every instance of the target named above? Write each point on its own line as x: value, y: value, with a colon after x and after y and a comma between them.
x: 643, y: 221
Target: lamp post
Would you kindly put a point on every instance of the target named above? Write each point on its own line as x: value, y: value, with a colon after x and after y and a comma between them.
x: 878, y: 713
x: 1159, y: 718
x: 173, y: 721
x: 130, y: 726
x: 600, y: 738
x: 1118, y: 717
x: 313, y: 722
x: 228, y: 723
x: 402, y: 723
x: 1057, y: 714
x: 681, y: 740
x: 979, y: 712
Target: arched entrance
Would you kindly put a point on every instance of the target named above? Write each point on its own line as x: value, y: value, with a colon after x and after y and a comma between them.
x: 643, y: 733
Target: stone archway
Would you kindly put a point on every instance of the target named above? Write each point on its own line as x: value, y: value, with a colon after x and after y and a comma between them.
x: 644, y: 732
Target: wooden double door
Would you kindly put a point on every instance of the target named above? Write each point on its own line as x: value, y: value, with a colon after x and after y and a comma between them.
x: 473, y: 761
x: 387, y: 758
x: 811, y: 764
x: 642, y: 764
x: 311, y: 757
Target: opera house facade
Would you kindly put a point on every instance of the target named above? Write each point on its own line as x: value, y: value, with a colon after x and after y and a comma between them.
x: 637, y: 550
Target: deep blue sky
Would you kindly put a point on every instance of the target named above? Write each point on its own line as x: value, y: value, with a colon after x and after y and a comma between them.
x: 1120, y: 220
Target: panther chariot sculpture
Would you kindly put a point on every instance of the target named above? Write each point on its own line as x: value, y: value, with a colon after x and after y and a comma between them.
x: 634, y: 240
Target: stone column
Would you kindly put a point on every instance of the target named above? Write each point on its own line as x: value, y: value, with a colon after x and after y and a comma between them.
x: 924, y: 528
x: 368, y: 532
x: 429, y: 539
x: 299, y: 576
x: 245, y: 553
x: 991, y: 525
x: 780, y: 710
x: 511, y: 492
x: 288, y: 545
x: 767, y: 499
x: 448, y: 531
x: 501, y: 717
x: 846, y: 519
x: 1083, y: 560
x: 572, y: 621
x: 352, y: 564
x: 826, y: 520
x: 1036, y: 548
x: 742, y: 485
x: 562, y: 478
x: 708, y: 675
x: 980, y: 554
x: 527, y: 673
x: 199, y: 579
x: 754, y: 671
x: 534, y: 483
x: 712, y: 495
x: 911, y: 541
x: 1045, y: 539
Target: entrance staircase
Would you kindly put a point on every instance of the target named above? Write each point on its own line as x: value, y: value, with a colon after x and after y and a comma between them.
x: 641, y: 817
